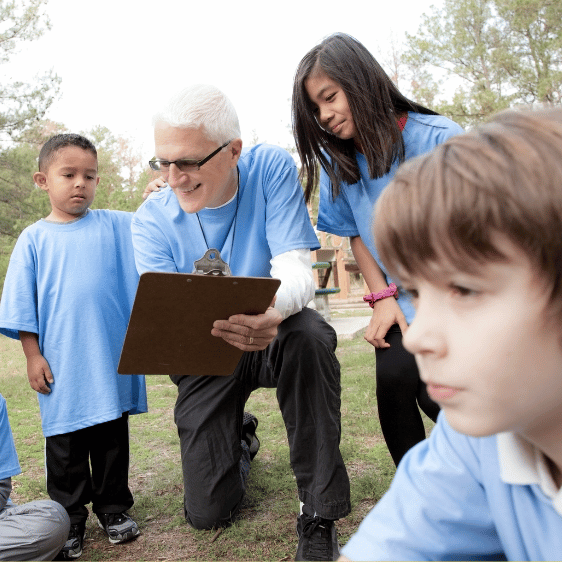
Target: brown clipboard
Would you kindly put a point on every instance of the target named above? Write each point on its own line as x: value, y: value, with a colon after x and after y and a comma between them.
x: 169, y: 331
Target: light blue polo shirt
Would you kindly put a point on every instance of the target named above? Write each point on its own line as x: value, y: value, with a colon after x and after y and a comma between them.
x: 456, y: 497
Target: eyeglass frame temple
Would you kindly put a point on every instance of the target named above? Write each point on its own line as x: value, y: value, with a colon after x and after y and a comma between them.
x: 198, y: 164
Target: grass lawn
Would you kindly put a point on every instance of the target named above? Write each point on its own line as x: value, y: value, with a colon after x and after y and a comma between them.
x: 265, y: 529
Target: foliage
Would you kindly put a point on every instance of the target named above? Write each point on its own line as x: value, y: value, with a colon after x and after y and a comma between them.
x: 22, y: 104
x: 500, y: 53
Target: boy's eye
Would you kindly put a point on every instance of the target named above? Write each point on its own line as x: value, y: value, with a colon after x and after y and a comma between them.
x: 462, y: 291
x: 331, y: 97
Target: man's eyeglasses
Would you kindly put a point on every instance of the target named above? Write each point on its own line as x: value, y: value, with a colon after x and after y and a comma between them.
x: 184, y: 164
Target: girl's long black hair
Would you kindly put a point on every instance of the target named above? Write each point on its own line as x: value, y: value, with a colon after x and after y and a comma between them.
x: 375, y: 103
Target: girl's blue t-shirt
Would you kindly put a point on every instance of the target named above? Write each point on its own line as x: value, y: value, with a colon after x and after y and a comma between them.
x: 268, y: 217
x: 351, y: 212
x: 74, y: 285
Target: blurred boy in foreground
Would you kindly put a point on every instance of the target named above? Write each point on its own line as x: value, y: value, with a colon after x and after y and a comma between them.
x: 474, y: 232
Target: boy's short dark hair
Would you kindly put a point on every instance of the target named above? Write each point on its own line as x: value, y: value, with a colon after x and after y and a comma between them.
x: 504, y: 177
x: 57, y: 142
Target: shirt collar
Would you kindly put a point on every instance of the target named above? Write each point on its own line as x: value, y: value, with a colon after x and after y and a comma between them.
x: 521, y: 463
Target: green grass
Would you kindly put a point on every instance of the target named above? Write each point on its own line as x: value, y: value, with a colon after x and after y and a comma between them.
x: 265, y: 529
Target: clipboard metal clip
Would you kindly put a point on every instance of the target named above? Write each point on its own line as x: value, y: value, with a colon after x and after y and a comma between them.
x: 212, y: 264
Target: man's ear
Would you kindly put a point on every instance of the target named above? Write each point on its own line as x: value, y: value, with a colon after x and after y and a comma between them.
x: 235, y: 149
x: 40, y: 180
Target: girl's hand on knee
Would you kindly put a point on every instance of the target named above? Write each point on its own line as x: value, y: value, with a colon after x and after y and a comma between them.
x: 386, y: 312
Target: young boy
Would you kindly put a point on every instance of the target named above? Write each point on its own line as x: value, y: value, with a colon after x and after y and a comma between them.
x: 32, y: 531
x: 67, y: 296
x: 474, y: 232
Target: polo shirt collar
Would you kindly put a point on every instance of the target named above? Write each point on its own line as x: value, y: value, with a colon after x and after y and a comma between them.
x: 521, y: 463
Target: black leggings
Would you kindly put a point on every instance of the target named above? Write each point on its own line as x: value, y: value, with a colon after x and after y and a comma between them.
x: 399, y: 393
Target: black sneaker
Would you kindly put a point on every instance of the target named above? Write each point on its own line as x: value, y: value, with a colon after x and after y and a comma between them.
x: 249, y: 426
x: 318, y: 539
x: 118, y: 526
x: 72, y: 548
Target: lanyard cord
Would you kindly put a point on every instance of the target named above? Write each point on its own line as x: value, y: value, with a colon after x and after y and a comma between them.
x: 233, y: 220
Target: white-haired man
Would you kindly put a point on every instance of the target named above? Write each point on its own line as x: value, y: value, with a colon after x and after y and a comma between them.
x: 249, y: 205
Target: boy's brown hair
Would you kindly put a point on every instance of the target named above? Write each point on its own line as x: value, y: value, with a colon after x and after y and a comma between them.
x: 504, y: 177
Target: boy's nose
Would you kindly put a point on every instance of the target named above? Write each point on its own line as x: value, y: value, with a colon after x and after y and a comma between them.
x: 425, y: 334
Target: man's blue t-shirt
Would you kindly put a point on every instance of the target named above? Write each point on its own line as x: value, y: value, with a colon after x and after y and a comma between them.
x: 351, y: 213
x: 267, y: 217
x: 74, y: 284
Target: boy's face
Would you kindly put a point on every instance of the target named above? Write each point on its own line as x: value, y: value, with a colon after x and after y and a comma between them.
x: 70, y: 180
x: 484, y: 350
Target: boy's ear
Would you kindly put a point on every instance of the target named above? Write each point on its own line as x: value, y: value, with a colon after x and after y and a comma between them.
x: 97, y: 180
x: 40, y: 180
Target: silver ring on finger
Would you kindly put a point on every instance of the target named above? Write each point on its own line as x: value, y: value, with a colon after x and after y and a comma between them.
x: 251, y: 341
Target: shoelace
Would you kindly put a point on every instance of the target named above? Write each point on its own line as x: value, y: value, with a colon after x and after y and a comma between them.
x: 115, y: 518
x: 318, y: 543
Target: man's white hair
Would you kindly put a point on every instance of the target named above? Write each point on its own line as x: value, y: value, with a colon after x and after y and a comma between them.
x: 201, y: 105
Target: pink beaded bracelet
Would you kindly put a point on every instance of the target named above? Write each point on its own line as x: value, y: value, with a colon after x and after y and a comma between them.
x: 390, y: 291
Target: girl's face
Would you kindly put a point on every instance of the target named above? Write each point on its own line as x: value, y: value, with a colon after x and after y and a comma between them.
x: 332, y: 110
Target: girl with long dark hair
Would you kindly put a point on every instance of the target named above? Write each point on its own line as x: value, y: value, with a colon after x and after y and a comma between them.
x: 353, y: 128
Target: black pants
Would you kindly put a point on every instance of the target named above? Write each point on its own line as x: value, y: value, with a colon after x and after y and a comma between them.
x: 302, y: 365
x: 71, y: 482
x: 399, y: 393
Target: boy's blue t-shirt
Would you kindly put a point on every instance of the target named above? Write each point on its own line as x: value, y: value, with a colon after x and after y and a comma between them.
x: 351, y: 213
x: 74, y: 284
x: 268, y: 217
x: 9, y: 464
x: 448, y: 502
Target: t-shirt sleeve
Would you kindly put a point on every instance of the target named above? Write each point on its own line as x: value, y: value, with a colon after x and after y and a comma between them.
x: 334, y: 215
x: 288, y: 225
x: 18, y: 306
x: 435, y: 509
x: 152, y: 251
x: 9, y: 465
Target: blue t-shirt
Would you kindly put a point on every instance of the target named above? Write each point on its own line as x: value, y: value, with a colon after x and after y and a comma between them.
x: 9, y: 464
x: 267, y: 218
x: 448, y: 502
x: 351, y: 213
x: 74, y: 284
